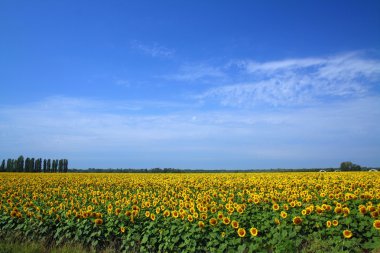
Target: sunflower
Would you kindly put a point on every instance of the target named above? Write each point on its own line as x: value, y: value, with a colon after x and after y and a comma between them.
x: 347, y: 234
x: 346, y: 211
x: 220, y: 216
x: 362, y: 209
x: 201, y: 224
x: 213, y: 221
x: 135, y: 212
x: 371, y: 208
x: 98, y: 221
x: 226, y: 220
x: 376, y: 224
x: 297, y: 220
x: 335, y: 223
x: 283, y: 215
x: 275, y: 207
x: 190, y: 218
x: 235, y: 224
x: 152, y: 216
x: 166, y: 213
x: 241, y: 232
x: 175, y: 214
x: 13, y: 214
x: 147, y: 214
x: 122, y: 229
x: 328, y: 223
x: 253, y: 231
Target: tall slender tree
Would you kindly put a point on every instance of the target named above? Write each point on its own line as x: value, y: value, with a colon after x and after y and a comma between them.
x: 9, y: 165
x: 27, y: 166
x: 2, y: 167
x: 65, y: 165
x: 44, y: 168
x: 39, y: 165
x: 54, y: 167
x: 48, y: 165
x: 32, y: 165
x: 60, y: 165
x: 20, y: 164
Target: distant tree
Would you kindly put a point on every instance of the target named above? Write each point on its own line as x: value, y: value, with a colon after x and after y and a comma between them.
x: 349, y: 166
x: 44, y: 168
x: 39, y: 165
x: 2, y: 167
x: 9, y: 165
x: 48, y: 165
x: 19, y: 164
x: 65, y: 165
x: 55, y: 166
x: 32, y: 167
x: 27, y: 164
x: 60, y: 165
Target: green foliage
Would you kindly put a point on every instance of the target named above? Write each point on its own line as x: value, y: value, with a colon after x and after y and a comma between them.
x: 349, y: 166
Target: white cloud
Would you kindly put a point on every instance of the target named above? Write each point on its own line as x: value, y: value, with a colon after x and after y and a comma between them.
x: 299, y: 81
x: 196, y: 72
x: 153, y: 50
x: 91, y: 129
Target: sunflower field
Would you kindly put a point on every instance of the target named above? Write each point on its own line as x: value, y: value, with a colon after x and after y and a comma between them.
x: 223, y: 212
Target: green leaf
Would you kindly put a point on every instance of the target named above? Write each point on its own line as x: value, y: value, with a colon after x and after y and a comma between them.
x: 241, y: 248
x: 145, y: 239
x: 94, y: 243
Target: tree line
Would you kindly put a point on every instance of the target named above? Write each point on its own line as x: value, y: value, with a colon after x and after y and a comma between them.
x: 34, y: 165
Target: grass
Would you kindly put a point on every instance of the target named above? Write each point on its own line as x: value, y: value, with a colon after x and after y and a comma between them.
x: 9, y: 246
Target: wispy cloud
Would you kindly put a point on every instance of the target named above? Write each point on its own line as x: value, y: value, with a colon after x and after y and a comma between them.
x: 90, y: 129
x: 153, y: 50
x: 299, y: 81
x: 197, y: 72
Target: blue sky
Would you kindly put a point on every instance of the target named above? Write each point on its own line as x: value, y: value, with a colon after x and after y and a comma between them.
x: 191, y: 84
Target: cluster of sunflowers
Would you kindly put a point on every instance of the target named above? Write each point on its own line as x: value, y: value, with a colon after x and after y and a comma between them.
x: 262, y: 209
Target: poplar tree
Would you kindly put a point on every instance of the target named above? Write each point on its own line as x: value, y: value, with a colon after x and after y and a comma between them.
x: 60, y: 165
x: 65, y: 165
x: 44, y: 168
x: 32, y: 165
x: 19, y: 164
x: 48, y: 165
x: 2, y: 167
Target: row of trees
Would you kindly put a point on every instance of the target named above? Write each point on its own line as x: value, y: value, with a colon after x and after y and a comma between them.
x: 34, y: 165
